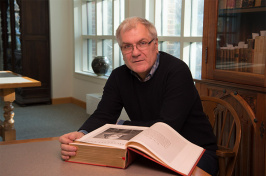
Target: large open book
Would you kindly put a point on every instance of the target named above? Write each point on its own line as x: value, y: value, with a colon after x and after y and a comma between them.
x: 115, y: 146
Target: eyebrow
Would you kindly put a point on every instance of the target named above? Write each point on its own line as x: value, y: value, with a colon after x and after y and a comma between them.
x: 137, y: 42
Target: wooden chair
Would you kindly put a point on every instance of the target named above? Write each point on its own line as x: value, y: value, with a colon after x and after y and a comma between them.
x: 226, y: 127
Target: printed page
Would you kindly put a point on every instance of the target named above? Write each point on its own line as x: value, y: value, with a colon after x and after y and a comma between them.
x: 169, y: 146
x: 112, y: 135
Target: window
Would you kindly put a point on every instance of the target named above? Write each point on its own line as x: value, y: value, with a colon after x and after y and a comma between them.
x: 95, y: 23
x: 179, y: 24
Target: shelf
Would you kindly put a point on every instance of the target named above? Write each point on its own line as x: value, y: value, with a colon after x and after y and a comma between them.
x: 242, y: 10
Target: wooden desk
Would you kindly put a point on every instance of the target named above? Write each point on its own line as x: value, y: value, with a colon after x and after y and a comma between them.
x: 42, y: 157
x: 8, y: 82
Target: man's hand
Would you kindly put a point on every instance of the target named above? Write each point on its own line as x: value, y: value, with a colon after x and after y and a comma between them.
x: 66, y: 149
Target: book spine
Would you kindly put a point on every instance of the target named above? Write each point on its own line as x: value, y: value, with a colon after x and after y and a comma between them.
x: 250, y: 59
x: 257, y: 3
x: 251, y: 43
x: 245, y: 60
x: 227, y: 61
x: 259, y: 55
x: 239, y: 3
x: 263, y: 2
x: 248, y: 3
x: 231, y: 4
x: 236, y: 59
x: 245, y: 3
x: 222, y: 4
x: 241, y: 59
x: 251, y: 3
x: 222, y: 60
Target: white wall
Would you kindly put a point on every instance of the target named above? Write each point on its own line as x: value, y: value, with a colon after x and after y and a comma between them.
x: 61, y: 32
x: 66, y: 83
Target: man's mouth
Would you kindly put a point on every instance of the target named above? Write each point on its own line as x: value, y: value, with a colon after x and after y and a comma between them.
x: 136, y: 61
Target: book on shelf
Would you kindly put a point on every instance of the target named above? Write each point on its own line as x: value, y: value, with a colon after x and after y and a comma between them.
x: 251, y: 3
x: 259, y: 55
x: 117, y: 146
x: 259, y: 3
x: 222, y: 4
x: 247, y: 57
x: 237, y: 58
x: 248, y: 3
x: 239, y: 3
x: 231, y: 4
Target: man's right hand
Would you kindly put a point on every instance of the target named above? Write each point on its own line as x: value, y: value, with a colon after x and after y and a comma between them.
x: 67, y: 150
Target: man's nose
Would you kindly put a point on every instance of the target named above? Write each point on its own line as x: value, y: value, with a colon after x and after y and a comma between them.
x: 135, y: 50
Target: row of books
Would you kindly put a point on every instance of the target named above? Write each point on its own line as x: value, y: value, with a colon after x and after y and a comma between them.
x: 235, y: 59
x: 241, y: 59
x: 231, y: 4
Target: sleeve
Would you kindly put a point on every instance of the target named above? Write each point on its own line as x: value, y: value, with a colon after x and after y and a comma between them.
x: 108, y: 109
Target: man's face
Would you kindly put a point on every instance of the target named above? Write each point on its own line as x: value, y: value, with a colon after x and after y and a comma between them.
x: 140, y: 61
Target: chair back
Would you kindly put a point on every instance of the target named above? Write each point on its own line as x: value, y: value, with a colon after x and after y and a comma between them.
x: 227, y: 128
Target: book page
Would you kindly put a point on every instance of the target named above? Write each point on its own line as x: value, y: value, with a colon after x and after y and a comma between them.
x: 169, y: 146
x: 112, y: 135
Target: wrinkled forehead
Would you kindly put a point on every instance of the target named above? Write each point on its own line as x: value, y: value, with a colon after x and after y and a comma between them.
x: 140, y: 28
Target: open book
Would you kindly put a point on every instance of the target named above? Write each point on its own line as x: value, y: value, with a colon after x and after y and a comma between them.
x: 115, y: 145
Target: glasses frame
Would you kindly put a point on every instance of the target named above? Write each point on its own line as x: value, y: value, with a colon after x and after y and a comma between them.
x: 132, y: 47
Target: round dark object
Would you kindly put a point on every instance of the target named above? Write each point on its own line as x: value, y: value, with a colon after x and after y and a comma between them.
x: 100, y: 65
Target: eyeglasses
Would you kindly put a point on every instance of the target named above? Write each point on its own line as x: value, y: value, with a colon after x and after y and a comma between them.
x: 141, y: 45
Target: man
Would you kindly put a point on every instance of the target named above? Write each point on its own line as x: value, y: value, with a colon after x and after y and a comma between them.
x: 152, y: 86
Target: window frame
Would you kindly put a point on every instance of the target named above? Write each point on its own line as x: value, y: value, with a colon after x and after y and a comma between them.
x: 184, y: 39
x: 149, y: 13
x: 81, y: 38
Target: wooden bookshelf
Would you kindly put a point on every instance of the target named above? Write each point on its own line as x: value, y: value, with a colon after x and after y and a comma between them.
x: 226, y: 77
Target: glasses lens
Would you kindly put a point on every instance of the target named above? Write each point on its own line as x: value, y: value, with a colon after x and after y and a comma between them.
x: 142, y: 45
x: 126, y: 48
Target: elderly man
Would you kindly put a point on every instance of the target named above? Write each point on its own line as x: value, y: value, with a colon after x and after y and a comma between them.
x: 152, y: 86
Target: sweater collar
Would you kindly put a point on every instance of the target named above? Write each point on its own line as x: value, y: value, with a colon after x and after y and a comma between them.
x: 152, y: 71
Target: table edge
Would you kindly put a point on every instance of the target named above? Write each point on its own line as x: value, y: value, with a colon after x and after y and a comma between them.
x: 28, y: 140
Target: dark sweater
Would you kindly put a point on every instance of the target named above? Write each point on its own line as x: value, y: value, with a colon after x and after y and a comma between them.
x: 169, y: 96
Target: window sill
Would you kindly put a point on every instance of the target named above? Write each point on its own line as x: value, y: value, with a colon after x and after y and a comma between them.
x: 91, y: 77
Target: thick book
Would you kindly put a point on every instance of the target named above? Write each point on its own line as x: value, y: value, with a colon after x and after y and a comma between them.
x: 117, y: 145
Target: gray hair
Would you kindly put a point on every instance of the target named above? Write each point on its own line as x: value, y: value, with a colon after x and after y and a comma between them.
x: 131, y: 23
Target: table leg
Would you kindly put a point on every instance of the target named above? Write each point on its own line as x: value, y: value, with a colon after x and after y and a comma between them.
x: 8, y: 131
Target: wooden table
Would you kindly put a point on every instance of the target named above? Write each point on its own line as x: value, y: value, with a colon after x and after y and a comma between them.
x: 42, y: 157
x: 8, y: 82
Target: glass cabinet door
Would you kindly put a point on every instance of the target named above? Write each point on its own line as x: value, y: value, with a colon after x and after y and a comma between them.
x: 17, y: 25
x: 241, y: 36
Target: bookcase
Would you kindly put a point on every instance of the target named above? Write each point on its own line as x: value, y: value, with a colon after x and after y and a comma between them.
x: 233, y: 64
x: 26, y: 46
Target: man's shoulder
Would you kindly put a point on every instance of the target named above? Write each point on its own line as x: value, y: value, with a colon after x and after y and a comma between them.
x: 121, y: 71
x: 170, y: 60
x: 122, y: 68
